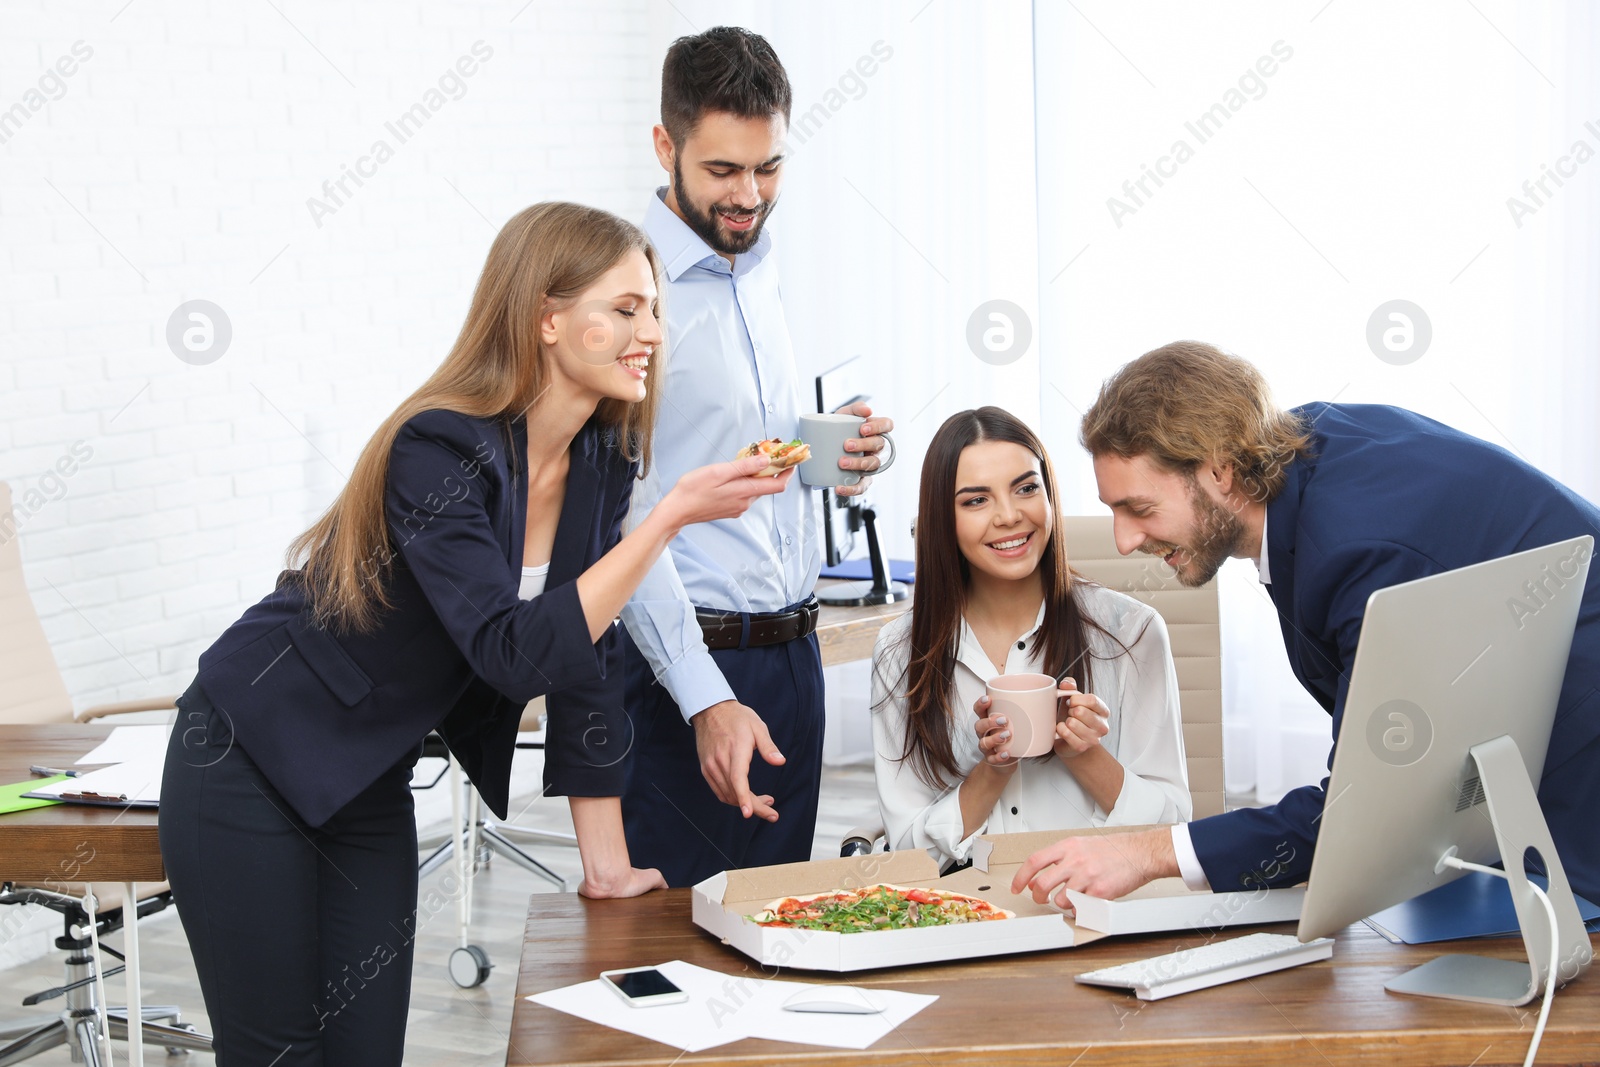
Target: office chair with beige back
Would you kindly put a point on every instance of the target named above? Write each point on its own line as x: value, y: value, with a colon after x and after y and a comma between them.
x: 1193, y: 622
x: 33, y: 693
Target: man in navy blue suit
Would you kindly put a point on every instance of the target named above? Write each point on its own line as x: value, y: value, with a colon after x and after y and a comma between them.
x: 1332, y: 502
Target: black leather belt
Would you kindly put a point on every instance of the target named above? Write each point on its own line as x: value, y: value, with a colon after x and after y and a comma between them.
x: 737, y: 629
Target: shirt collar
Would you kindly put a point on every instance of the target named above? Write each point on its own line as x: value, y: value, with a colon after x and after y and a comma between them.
x: 970, y: 654
x: 1262, y: 565
x: 681, y: 248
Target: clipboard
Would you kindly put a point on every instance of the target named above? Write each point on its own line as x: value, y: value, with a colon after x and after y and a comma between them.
x: 97, y: 800
x: 136, y: 784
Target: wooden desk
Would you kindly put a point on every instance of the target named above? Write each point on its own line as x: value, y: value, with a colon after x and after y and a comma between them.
x: 846, y: 634
x: 1027, y: 1010
x: 71, y: 842
x: 66, y: 844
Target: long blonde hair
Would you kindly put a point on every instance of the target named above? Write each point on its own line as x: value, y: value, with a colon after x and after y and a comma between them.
x: 543, y: 260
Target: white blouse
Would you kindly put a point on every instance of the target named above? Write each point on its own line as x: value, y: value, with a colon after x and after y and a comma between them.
x: 1140, y: 688
x: 533, y: 579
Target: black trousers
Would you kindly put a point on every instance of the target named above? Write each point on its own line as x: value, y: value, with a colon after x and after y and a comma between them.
x: 302, y: 936
x: 672, y: 818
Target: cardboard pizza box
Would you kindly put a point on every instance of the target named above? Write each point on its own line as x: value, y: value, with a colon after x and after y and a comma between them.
x: 1165, y: 904
x: 723, y: 902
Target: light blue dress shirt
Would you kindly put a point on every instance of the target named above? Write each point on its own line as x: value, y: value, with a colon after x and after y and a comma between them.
x: 729, y: 379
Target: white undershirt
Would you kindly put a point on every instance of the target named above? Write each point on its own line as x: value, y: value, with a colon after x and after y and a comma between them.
x: 533, y: 579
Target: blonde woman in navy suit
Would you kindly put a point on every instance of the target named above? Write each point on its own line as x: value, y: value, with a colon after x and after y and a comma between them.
x: 474, y: 561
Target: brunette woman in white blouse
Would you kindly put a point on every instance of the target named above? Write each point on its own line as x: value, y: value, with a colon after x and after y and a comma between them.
x: 995, y: 595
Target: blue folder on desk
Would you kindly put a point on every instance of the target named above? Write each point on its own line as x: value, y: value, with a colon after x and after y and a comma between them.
x: 1475, y: 905
x: 900, y: 570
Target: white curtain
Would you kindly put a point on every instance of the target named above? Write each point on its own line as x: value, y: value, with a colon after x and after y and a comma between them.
x: 1355, y: 153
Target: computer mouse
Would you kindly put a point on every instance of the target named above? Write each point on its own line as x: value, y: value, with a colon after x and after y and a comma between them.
x: 837, y: 999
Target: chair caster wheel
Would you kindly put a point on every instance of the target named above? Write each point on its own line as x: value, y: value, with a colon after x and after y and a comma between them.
x: 469, y: 966
x: 191, y: 1028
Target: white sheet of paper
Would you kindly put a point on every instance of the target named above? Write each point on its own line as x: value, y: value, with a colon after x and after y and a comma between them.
x: 140, y: 780
x: 130, y: 744
x: 724, y: 1007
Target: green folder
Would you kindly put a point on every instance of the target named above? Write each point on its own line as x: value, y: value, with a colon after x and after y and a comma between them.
x: 11, y: 798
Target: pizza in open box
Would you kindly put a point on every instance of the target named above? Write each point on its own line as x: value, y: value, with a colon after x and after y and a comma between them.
x: 878, y: 907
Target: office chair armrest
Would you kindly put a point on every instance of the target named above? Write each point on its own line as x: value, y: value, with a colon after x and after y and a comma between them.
x: 861, y: 840
x: 124, y: 707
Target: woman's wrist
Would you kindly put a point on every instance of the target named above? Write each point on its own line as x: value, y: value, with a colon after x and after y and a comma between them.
x: 664, y: 521
x: 997, y: 773
x: 988, y: 781
x: 602, y: 846
x: 1085, y: 762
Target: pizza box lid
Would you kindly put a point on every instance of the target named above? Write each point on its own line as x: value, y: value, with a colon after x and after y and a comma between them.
x: 722, y: 902
x: 1004, y: 853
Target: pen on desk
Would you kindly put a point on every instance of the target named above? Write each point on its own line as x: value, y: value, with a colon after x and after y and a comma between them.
x: 51, y: 772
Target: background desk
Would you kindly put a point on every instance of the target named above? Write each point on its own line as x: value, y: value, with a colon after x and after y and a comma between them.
x: 66, y: 844
x: 1027, y: 1010
x: 71, y: 842
x: 846, y: 634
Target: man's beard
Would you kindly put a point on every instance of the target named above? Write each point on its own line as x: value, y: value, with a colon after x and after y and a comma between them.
x: 1216, y: 535
x: 704, y: 223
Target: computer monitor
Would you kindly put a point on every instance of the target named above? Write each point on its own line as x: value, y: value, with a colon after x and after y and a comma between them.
x: 841, y: 517
x: 844, y: 517
x: 1446, y: 722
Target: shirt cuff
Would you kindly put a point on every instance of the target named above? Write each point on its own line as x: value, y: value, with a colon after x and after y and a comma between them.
x: 1194, y: 876
x: 1140, y: 803
x: 696, y: 683
x: 943, y: 826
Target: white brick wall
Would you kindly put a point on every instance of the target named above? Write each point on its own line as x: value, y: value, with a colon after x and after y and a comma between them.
x: 191, y: 140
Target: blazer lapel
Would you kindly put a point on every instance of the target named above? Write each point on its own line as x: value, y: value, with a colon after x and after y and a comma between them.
x: 1283, y: 518
x: 570, y: 555
x: 519, y: 494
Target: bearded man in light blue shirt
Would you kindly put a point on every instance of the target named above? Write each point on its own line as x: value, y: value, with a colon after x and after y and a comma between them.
x: 722, y: 662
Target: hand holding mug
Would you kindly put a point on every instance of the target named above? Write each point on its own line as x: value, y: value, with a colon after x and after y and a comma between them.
x: 994, y: 735
x: 834, y: 466
x: 1082, y: 719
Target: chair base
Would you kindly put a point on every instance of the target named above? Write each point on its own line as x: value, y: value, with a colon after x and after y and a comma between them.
x: 77, y: 1025
x: 492, y: 840
x: 81, y: 1032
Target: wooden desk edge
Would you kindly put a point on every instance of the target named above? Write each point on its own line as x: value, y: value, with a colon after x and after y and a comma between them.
x: 70, y: 844
x: 1570, y: 1037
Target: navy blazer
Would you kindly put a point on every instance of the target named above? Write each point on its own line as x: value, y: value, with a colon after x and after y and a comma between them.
x: 323, y: 714
x: 1388, y: 497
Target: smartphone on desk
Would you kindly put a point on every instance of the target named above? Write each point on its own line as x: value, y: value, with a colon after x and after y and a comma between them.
x: 643, y: 987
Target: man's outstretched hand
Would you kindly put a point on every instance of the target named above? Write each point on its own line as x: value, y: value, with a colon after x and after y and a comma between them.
x: 1104, y: 865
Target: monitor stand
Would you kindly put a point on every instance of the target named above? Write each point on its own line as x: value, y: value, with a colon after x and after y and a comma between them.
x: 880, y: 590
x: 1518, y: 826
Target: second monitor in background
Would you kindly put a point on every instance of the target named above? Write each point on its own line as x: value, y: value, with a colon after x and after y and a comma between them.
x: 843, y: 518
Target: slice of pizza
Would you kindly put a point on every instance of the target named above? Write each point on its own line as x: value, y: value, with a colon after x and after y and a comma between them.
x: 780, y: 455
x: 878, y: 907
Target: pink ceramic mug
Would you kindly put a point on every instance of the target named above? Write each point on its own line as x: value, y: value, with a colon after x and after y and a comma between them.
x: 1028, y: 701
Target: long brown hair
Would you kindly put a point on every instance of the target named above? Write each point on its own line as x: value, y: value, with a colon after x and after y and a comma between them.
x: 1188, y: 403
x: 944, y: 580
x: 542, y: 260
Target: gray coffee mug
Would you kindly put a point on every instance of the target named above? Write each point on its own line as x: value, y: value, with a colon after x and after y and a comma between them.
x: 826, y: 435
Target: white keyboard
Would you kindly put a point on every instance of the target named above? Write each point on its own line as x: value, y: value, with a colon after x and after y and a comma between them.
x: 1207, y: 965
